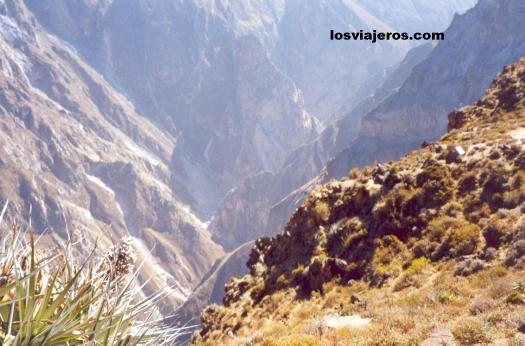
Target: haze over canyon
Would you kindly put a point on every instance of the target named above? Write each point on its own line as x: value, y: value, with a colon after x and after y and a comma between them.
x: 195, y: 127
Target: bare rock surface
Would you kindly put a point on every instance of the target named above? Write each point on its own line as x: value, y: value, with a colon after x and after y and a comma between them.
x: 79, y: 162
x: 440, y: 338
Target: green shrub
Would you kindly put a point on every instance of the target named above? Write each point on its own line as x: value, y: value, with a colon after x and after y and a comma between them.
x: 458, y: 236
x: 298, y: 272
x: 436, y: 184
x: 515, y: 298
x: 343, y: 238
x: 467, y: 183
x: 494, y: 188
x: 322, y: 211
x: 447, y: 298
x: 258, y: 290
x: 439, y: 227
x: 419, y: 264
x: 464, y: 240
x: 496, y: 231
x: 282, y: 280
x: 388, y: 257
x: 516, y: 253
x: 397, y: 212
x: 518, y: 293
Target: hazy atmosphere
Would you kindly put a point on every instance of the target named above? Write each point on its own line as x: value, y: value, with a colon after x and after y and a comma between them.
x: 262, y: 172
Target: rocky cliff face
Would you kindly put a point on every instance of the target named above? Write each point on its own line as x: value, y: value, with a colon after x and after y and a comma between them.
x: 439, y: 231
x: 227, y: 79
x: 201, y: 75
x: 80, y: 163
x: 486, y: 38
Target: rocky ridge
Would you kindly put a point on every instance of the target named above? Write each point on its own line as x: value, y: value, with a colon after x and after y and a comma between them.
x: 439, y: 84
x: 411, y: 104
x: 439, y: 231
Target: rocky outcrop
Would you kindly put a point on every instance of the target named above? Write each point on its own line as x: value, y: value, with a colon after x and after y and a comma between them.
x: 82, y: 165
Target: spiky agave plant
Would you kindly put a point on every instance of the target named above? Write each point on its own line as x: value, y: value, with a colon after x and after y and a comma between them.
x: 49, y: 300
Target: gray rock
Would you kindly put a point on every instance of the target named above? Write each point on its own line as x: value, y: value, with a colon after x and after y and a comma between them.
x: 440, y: 338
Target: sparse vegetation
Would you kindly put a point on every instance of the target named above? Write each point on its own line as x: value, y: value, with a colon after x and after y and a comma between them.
x: 438, y: 234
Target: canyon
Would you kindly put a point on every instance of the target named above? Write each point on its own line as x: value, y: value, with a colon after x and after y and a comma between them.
x: 114, y: 123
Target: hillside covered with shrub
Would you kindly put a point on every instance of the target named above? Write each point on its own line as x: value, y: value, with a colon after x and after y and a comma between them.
x: 429, y: 247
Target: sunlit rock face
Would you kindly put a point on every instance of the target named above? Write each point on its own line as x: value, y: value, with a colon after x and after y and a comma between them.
x: 80, y: 164
x: 457, y: 72
x: 239, y: 85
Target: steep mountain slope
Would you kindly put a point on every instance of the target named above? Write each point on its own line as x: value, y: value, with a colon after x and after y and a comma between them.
x: 227, y: 78
x: 410, y: 106
x: 211, y: 289
x: 408, y: 252
x: 457, y: 72
x: 198, y: 73
x: 82, y: 165
x: 332, y: 73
